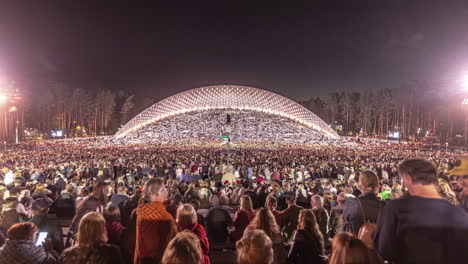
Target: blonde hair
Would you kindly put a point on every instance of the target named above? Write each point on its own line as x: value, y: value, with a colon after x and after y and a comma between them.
x: 255, y: 247
x: 92, y: 230
x: 186, y: 215
x: 246, y: 203
x: 184, y: 248
x: 348, y: 249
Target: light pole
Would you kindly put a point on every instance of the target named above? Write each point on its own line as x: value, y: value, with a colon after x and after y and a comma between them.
x: 464, y: 105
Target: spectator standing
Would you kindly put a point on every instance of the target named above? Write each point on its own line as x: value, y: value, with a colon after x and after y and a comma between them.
x: 95, y: 202
x: 217, y: 221
x: 242, y: 218
x: 155, y: 227
x: 290, y: 216
x: 336, y: 216
x: 308, y: 244
x: 421, y: 227
x: 366, y: 207
x: 120, y: 197
x: 348, y: 249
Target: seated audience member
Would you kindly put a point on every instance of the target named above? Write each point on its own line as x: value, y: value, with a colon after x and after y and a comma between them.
x: 184, y: 248
x: 91, y: 246
x: 421, y: 227
x: 255, y: 247
x: 348, y: 249
x: 187, y: 220
x: 20, y: 248
x: 217, y: 222
x: 308, y: 244
x: 113, y: 226
x: 47, y: 224
x: 242, y: 218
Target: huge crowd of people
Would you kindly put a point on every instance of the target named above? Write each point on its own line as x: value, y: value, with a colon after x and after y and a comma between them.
x: 361, y: 201
x: 244, y: 127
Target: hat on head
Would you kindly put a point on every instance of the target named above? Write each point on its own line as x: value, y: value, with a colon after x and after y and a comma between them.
x: 461, y: 168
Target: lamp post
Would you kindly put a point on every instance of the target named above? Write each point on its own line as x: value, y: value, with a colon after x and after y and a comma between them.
x: 464, y: 105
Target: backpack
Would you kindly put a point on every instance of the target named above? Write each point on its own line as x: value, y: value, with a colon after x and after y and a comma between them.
x: 368, y: 228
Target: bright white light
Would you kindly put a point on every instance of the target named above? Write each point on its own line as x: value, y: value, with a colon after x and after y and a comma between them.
x: 464, y: 81
x: 3, y: 98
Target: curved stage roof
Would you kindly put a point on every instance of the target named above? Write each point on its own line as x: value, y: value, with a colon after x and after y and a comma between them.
x: 227, y: 97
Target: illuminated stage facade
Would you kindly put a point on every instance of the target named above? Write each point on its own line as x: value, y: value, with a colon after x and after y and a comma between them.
x: 242, y: 113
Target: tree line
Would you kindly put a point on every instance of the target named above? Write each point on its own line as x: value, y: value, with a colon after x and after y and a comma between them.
x: 417, y: 109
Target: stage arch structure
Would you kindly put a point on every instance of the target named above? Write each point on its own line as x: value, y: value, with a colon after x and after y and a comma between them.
x: 213, y: 101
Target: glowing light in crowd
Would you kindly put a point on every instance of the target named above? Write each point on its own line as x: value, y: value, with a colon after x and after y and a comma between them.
x: 227, y: 97
x: 464, y: 81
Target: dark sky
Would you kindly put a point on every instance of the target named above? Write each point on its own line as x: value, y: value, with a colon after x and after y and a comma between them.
x: 298, y: 51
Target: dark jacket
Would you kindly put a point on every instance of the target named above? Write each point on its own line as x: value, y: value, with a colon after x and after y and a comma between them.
x: 335, y: 223
x: 289, y: 220
x: 353, y: 215
x: 306, y: 248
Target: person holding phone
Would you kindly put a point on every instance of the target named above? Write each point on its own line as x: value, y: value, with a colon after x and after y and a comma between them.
x: 21, y: 247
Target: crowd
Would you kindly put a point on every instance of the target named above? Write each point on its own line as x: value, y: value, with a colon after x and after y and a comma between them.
x: 357, y: 202
x: 245, y: 127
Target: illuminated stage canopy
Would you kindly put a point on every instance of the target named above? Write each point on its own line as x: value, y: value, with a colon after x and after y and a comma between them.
x: 227, y: 97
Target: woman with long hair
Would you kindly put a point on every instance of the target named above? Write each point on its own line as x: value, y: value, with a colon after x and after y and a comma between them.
x: 255, y: 247
x: 96, y: 202
x: 91, y: 246
x: 265, y: 220
x: 242, y: 218
x: 348, y: 249
x: 307, y: 246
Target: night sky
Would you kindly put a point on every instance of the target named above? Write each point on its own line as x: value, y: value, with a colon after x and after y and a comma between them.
x: 298, y: 52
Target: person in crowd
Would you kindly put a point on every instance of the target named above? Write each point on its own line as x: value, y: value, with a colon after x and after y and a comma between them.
x: 255, y: 247
x: 9, y: 215
x: 242, y: 218
x: 184, y: 248
x: 113, y: 226
x: 307, y: 244
x: 461, y: 175
x: 348, y: 249
x: 272, y: 203
x: 265, y: 220
x: 45, y: 223
x: 200, y: 217
x: 187, y: 220
x: 290, y: 216
x: 366, y: 207
x: 20, y: 247
x: 83, y: 194
x: 120, y: 197
x: 321, y: 215
x: 217, y: 222
x: 91, y: 246
x: 155, y: 227
x: 95, y: 202
x: 253, y: 196
x: 24, y: 212
x: 335, y: 223
x: 421, y: 227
